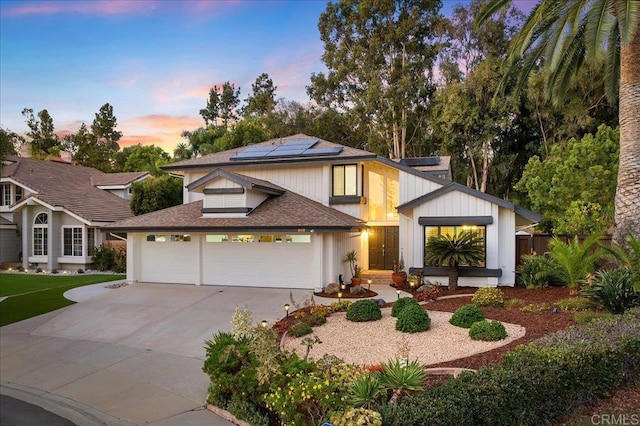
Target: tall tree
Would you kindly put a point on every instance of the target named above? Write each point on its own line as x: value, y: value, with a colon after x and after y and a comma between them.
x: 138, y: 158
x: 99, y: 147
x: 380, y: 56
x: 41, y: 131
x: 262, y: 99
x: 211, y: 112
x: 229, y: 102
x: 565, y: 35
x: 9, y: 142
x: 155, y: 193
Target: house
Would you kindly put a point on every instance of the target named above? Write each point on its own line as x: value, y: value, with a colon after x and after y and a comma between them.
x: 53, y: 212
x: 283, y: 213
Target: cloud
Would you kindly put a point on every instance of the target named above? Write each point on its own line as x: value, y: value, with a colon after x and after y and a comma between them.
x: 140, y: 140
x: 96, y: 7
x: 159, y: 129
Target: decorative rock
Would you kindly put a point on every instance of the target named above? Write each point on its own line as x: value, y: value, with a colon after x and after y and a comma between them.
x: 379, y: 302
x: 358, y: 289
x: 423, y: 288
x: 332, y: 288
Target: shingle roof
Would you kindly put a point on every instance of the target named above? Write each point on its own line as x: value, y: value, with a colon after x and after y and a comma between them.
x: 224, y: 157
x: 68, y: 186
x: 286, y: 211
x: 117, y: 178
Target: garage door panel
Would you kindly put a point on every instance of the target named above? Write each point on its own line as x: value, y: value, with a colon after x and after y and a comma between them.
x: 168, y: 262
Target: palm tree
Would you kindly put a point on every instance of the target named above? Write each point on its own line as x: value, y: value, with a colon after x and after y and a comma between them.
x: 573, y: 262
x: 465, y: 248
x: 564, y: 35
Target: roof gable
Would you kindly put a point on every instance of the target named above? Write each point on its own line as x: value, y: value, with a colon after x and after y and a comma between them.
x: 244, y: 181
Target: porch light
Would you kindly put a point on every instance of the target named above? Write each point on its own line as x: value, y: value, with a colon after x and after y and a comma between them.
x: 286, y: 309
x: 264, y: 323
x: 339, y: 297
x: 398, y: 294
x: 369, y: 283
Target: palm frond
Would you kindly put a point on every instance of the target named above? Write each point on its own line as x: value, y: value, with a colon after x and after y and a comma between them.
x: 627, y: 14
x: 492, y: 7
x: 599, y: 22
x: 571, y: 61
x: 612, y: 66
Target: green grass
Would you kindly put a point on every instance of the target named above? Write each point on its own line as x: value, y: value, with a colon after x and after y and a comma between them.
x: 35, y: 294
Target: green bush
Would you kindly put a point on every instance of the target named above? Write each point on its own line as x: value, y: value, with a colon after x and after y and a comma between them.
x: 575, y: 304
x: 536, y: 272
x: 400, y: 304
x: 536, y: 307
x: 613, y: 290
x: 487, y: 331
x: 109, y: 259
x: 340, y: 306
x: 315, y: 320
x: 466, y: 315
x: 535, y: 383
x: 300, y: 329
x: 585, y: 317
x: 356, y: 416
x: 413, y: 318
x: 363, y: 310
x: 488, y: 296
x: 513, y: 303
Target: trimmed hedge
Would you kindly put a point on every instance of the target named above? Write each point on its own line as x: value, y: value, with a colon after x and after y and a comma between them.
x: 413, y: 318
x: 466, y: 315
x: 401, y: 303
x: 487, y: 331
x: 364, y: 310
x: 535, y: 383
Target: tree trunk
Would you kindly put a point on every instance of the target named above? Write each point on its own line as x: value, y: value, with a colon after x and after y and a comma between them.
x: 627, y: 216
x: 453, y: 277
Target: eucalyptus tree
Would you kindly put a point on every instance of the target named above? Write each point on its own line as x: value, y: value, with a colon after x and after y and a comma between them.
x: 563, y: 36
x: 380, y: 57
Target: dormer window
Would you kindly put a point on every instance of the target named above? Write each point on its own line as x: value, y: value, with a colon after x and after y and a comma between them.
x: 345, y: 180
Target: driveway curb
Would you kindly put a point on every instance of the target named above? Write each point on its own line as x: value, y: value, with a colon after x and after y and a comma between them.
x: 74, y: 411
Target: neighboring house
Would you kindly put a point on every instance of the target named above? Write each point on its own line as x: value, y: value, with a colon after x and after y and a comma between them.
x: 53, y: 212
x: 283, y: 213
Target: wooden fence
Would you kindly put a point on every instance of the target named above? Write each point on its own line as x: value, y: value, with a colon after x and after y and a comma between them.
x: 539, y: 243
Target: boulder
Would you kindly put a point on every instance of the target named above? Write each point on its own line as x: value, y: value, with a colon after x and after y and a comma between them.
x: 379, y: 302
x: 332, y: 288
x: 358, y: 289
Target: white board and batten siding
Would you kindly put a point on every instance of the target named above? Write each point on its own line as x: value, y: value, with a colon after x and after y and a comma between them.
x: 412, y: 187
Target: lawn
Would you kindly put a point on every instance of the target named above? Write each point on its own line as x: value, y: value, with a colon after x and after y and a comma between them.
x: 35, y: 294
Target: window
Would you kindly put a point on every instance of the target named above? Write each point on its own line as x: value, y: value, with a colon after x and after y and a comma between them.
x: 6, y: 194
x: 216, y: 238
x: 243, y: 238
x: 156, y: 238
x: 40, y: 235
x: 433, y: 231
x: 72, y: 241
x: 345, y: 180
x: 91, y: 241
x: 383, y: 197
x: 18, y: 193
x: 183, y: 238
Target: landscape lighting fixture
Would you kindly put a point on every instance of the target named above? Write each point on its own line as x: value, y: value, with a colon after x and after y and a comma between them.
x: 264, y: 323
x: 286, y: 309
x: 339, y: 297
x: 369, y: 282
x: 398, y: 293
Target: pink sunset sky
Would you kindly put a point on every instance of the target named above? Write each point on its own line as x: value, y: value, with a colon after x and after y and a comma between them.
x: 152, y: 60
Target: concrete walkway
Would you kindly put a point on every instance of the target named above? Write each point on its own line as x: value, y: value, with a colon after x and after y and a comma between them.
x: 130, y: 355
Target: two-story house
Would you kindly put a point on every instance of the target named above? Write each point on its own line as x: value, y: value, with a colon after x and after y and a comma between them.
x: 52, y: 212
x: 283, y: 213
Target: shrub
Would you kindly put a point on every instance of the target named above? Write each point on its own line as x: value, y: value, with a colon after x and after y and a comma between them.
x: 513, y: 303
x: 536, y: 271
x: 488, y: 296
x: 300, y: 329
x: 39, y: 270
x: 315, y: 320
x: 322, y: 310
x: 413, y: 318
x: 340, y: 306
x: 585, y: 317
x: 363, y: 310
x: 536, y: 307
x: 356, y: 416
x: 466, y: 315
x: 54, y: 271
x: 613, y: 290
x: 487, y: 331
x: 534, y: 383
x: 400, y: 304
x: 366, y: 390
x: 575, y: 304
x: 80, y: 271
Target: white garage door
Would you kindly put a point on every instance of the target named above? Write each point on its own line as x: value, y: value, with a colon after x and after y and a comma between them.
x: 259, y: 260
x: 168, y: 259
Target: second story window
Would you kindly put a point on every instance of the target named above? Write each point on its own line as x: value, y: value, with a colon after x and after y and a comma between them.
x: 345, y: 180
x: 6, y: 194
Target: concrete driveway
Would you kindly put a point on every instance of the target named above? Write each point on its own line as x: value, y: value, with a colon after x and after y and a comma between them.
x: 131, y: 355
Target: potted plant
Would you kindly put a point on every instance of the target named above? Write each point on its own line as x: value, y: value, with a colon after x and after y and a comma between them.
x: 351, y: 258
x: 399, y: 276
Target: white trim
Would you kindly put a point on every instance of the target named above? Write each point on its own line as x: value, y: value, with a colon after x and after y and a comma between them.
x: 84, y: 242
x: 79, y: 260
x: 15, y: 182
x: 34, y: 200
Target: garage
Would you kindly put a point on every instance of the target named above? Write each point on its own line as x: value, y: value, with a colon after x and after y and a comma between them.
x: 168, y: 258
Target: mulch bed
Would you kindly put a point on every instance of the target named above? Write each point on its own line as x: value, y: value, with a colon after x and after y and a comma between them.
x: 346, y: 294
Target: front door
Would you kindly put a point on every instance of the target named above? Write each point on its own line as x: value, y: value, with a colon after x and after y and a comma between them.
x: 384, y: 247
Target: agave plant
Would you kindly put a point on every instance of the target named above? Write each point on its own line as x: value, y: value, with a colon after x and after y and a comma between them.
x: 400, y: 378
x: 366, y: 391
x: 465, y: 248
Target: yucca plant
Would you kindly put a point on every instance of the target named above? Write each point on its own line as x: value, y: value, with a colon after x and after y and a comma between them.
x: 400, y: 378
x: 465, y: 248
x: 574, y: 261
x: 366, y: 391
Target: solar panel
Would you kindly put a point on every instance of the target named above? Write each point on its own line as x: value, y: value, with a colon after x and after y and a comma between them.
x: 420, y: 161
x: 293, y: 148
x: 301, y: 142
x: 323, y: 151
